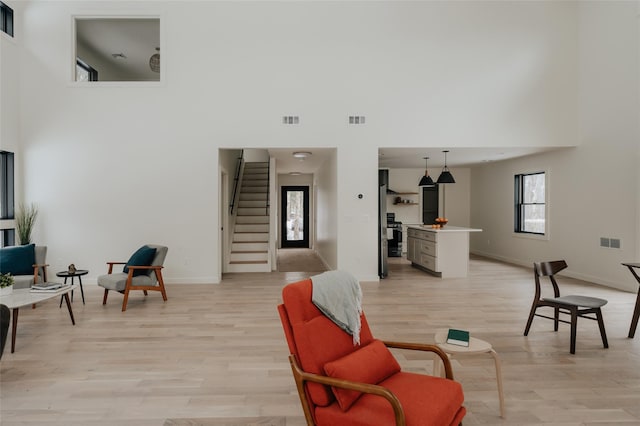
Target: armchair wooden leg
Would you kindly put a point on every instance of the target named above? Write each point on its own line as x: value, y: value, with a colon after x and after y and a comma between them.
x: 104, y: 298
x: 125, y: 300
x: 161, y: 285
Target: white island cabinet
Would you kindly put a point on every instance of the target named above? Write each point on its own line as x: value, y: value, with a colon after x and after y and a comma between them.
x: 443, y: 252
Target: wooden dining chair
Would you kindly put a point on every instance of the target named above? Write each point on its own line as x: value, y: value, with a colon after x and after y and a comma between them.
x: 573, y: 305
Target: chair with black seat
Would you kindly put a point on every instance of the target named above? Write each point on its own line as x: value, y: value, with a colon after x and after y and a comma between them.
x: 143, y: 272
x: 573, y: 305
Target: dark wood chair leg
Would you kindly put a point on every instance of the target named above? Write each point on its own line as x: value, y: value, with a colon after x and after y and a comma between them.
x: 603, y: 333
x: 530, y: 320
x: 556, y: 321
x: 104, y: 298
x: 636, y: 316
x: 574, y: 326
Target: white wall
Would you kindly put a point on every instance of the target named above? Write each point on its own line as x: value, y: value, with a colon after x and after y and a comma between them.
x: 326, y: 195
x: 593, y: 189
x: 455, y: 74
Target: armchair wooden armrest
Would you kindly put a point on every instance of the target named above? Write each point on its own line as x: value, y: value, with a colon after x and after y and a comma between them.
x: 301, y: 377
x: 425, y: 348
x: 114, y: 263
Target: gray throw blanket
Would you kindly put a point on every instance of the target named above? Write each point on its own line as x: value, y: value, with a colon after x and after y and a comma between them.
x: 338, y: 295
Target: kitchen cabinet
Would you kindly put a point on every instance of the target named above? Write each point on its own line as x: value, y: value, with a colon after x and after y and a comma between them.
x: 443, y: 252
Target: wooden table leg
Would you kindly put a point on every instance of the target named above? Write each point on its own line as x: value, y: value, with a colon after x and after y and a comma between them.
x: 66, y: 298
x: 636, y: 315
x: 14, y: 328
x: 496, y: 358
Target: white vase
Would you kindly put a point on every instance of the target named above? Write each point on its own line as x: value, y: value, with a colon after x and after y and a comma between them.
x: 5, y: 291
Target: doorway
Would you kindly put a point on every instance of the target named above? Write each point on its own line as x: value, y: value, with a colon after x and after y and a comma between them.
x: 294, y: 217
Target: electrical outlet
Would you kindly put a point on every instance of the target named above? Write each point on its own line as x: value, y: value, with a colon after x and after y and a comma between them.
x: 357, y: 119
x: 614, y: 243
x: 604, y: 242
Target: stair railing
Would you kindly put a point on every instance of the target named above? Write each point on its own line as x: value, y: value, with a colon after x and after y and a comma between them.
x: 268, y: 188
x: 236, y: 182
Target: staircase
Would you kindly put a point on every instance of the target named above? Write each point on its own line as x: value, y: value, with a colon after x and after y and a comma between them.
x: 250, y: 243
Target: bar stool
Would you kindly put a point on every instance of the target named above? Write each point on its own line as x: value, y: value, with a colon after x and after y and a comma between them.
x: 476, y: 346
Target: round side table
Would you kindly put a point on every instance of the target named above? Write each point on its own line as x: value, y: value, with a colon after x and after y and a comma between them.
x: 78, y: 273
x: 476, y: 346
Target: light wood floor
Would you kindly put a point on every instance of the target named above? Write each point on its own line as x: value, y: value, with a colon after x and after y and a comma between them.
x: 218, y: 351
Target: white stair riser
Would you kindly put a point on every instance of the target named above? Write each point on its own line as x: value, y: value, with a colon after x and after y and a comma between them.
x: 252, y: 204
x: 243, y: 257
x: 251, y: 236
x: 252, y: 211
x: 251, y: 227
x: 253, y: 196
x: 249, y: 246
x: 252, y: 219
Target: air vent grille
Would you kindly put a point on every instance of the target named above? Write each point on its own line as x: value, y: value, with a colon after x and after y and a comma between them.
x: 290, y: 119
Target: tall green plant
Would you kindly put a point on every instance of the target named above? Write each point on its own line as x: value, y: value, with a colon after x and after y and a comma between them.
x: 25, y: 219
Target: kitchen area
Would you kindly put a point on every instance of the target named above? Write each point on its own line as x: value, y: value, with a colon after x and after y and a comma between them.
x: 426, y: 225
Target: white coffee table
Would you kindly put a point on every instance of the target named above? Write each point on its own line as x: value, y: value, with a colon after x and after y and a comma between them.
x: 476, y: 346
x: 24, y: 297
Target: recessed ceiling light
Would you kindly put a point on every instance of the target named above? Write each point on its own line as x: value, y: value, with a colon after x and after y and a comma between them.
x: 119, y: 56
x: 302, y: 154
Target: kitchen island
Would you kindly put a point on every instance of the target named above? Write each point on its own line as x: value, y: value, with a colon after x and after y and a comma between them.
x: 443, y: 252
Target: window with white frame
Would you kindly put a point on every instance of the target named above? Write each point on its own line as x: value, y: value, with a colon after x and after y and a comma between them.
x: 530, y: 204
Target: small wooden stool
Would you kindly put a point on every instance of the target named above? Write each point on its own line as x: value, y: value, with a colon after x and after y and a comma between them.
x: 476, y: 346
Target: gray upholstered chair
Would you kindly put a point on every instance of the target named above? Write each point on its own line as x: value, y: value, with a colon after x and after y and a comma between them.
x: 39, y: 267
x: 138, y: 277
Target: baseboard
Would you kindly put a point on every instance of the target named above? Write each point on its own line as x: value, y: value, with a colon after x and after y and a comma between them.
x: 567, y: 272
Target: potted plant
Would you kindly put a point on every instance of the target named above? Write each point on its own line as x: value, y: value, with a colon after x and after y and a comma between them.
x: 6, y: 284
x: 25, y: 219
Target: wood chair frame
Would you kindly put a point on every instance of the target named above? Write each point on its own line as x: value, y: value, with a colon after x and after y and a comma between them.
x: 157, y: 269
x: 549, y: 269
x: 301, y: 377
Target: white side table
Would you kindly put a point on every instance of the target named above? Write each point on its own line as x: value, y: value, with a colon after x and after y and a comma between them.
x: 476, y: 346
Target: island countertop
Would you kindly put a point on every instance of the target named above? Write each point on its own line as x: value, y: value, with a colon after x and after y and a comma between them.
x: 446, y: 228
x: 441, y: 251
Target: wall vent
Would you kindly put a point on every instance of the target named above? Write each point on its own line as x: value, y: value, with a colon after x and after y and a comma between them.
x: 290, y: 119
x: 357, y: 119
x: 613, y: 243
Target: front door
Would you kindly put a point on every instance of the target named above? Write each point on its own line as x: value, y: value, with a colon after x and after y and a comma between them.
x: 294, y: 223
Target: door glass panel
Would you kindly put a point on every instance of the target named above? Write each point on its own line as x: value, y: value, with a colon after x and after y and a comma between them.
x: 295, y: 213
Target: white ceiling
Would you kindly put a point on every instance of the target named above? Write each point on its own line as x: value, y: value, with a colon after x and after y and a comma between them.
x: 403, y: 158
x: 409, y: 158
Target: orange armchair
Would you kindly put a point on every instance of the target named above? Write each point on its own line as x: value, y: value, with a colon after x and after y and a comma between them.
x: 342, y: 384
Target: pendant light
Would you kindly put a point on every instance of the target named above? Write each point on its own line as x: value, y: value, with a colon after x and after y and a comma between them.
x: 154, y: 61
x: 426, y: 179
x: 446, y: 176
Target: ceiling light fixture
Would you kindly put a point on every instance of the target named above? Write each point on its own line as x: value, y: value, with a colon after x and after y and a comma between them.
x: 119, y: 56
x: 295, y: 173
x: 301, y: 155
x: 426, y: 179
x: 154, y: 61
x: 446, y: 176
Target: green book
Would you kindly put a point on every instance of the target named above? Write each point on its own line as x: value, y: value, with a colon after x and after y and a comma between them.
x: 458, y: 337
